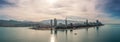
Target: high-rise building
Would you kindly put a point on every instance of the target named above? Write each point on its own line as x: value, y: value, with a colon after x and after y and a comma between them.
x: 55, y: 22
x: 66, y: 22
x: 87, y: 22
x: 51, y: 23
x: 98, y: 22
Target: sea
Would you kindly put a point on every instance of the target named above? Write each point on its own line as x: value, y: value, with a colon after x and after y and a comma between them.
x: 106, y: 33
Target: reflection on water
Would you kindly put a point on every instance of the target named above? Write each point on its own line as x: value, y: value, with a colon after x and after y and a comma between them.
x: 69, y: 35
x: 52, y: 38
x: 107, y: 33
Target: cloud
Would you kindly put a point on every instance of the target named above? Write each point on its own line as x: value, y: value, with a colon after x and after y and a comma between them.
x: 37, y: 10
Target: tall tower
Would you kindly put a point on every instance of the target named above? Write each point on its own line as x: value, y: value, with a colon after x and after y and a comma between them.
x: 66, y: 22
x: 55, y: 22
x: 98, y: 22
x: 87, y: 22
x: 51, y: 23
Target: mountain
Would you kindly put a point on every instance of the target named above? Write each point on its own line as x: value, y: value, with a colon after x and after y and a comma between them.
x: 14, y: 23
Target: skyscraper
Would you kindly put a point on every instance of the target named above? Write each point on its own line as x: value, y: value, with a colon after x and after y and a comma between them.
x: 55, y: 22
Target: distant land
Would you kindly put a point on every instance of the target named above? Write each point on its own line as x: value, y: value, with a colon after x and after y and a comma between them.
x: 15, y: 23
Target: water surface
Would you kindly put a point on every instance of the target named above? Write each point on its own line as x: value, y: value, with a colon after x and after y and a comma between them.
x: 107, y: 33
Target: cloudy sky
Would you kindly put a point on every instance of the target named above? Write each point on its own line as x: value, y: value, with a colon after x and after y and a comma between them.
x: 36, y: 10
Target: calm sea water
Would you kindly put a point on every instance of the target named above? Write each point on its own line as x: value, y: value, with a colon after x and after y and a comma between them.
x: 107, y: 33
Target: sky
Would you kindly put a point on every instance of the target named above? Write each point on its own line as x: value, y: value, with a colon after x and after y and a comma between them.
x: 106, y: 11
